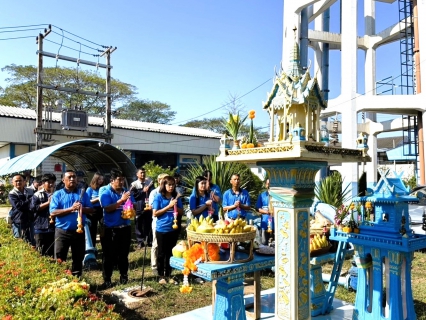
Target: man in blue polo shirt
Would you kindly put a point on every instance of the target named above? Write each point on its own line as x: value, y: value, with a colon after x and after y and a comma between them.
x: 65, y: 206
x: 236, y: 201
x: 117, y: 235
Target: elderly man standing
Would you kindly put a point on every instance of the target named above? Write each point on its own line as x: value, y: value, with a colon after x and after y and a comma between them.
x: 65, y: 206
x: 20, y: 200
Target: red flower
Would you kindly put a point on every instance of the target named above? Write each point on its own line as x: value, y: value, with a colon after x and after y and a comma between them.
x: 8, y: 317
x: 68, y: 271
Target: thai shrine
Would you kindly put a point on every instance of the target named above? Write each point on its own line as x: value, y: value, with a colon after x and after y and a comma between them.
x: 384, y: 251
x: 291, y: 158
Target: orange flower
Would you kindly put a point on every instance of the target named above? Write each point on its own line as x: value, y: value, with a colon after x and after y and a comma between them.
x: 252, y: 114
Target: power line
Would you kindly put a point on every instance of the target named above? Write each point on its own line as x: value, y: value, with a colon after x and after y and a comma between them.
x: 8, y: 31
x: 90, y: 54
x: 14, y: 38
x: 61, y: 35
x: 100, y: 45
x: 31, y: 25
x: 225, y: 105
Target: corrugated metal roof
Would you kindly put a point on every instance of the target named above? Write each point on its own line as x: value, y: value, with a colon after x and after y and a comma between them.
x: 16, y: 112
x: 84, y: 155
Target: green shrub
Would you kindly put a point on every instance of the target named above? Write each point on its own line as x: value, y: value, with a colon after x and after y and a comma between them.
x: 221, y: 175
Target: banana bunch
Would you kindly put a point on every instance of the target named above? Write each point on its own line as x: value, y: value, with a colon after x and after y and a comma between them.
x: 318, y: 242
x: 201, y: 224
x: 237, y: 226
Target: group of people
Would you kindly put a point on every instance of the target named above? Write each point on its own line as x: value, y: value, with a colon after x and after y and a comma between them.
x: 49, y: 218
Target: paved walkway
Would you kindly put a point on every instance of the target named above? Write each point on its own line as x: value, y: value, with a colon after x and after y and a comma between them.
x: 341, y: 310
x: 4, y: 211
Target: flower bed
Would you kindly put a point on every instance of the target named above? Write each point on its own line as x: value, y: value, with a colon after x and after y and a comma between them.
x: 34, y: 287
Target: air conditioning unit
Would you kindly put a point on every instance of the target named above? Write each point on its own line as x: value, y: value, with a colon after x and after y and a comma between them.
x: 74, y: 120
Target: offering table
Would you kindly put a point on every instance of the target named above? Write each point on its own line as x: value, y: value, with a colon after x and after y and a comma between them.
x: 228, y: 287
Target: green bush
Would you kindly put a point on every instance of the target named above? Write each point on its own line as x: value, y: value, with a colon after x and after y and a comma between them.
x: 35, y: 287
x: 221, y: 175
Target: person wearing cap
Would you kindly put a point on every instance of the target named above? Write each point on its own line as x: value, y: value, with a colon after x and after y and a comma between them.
x: 44, y: 227
x: 141, y: 189
x: 65, y: 206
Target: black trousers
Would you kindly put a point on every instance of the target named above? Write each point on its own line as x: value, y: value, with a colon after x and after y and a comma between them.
x: 116, y: 247
x: 66, y: 239
x: 94, y: 220
x: 166, y: 241
x: 45, y: 243
x: 143, y: 226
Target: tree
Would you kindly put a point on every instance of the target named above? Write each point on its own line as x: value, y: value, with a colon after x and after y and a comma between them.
x: 234, y: 105
x: 146, y: 110
x: 22, y: 88
x: 213, y: 124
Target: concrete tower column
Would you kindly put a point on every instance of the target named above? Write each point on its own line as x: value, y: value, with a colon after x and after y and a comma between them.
x: 370, y: 85
x: 349, y: 87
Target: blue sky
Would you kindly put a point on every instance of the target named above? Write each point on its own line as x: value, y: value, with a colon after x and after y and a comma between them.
x: 190, y: 54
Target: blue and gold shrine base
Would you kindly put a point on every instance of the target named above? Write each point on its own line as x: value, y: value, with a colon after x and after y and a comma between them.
x: 291, y: 196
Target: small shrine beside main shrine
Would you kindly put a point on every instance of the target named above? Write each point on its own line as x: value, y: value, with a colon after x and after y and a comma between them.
x: 384, y: 250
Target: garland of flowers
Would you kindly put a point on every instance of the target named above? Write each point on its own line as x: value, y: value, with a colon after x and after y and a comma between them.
x: 193, y: 256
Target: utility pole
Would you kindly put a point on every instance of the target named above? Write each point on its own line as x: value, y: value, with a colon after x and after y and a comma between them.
x: 107, y: 54
x: 39, y: 119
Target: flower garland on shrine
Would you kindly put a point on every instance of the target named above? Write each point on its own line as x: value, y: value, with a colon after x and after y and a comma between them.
x: 193, y: 256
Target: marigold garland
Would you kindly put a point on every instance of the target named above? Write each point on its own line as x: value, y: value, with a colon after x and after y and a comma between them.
x: 192, y: 257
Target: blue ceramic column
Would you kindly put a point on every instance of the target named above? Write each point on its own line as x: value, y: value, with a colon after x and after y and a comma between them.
x: 292, y: 193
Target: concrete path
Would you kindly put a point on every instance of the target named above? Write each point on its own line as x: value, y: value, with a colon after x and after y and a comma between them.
x: 4, y: 211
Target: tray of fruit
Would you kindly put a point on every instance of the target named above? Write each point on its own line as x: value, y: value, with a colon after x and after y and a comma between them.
x: 319, y: 245
x: 204, y: 229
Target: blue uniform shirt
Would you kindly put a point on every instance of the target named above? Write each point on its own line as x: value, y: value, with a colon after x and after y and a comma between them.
x: 201, y: 201
x: 165, y: 221
x: 63, y: 199
x: 229, y: 198
x: 263, y: 203
x: 107, y: 197
x: 93, y: 194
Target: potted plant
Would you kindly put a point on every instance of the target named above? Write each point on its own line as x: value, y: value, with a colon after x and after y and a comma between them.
x: 233, y: 126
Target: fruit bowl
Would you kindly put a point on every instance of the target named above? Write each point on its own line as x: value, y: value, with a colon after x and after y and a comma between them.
x: 320, y: 251
x: 232, y: 239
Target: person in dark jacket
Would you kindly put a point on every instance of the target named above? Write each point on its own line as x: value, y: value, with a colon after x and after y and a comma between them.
x: 44, y: 227
x: 20, y: 200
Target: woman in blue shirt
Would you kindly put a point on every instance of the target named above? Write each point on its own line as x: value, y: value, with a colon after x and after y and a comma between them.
x: 93, y: 193
x: 163, y: 208
x: 199, y: 201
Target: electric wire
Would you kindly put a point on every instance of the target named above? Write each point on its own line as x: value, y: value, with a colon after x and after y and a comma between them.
x: 31, y: 25
x: 225, y: 105
x: 14, y: 38
x: 87, y: 53
x: 8, y: 31
x: 81, y: 37
x: 82, y: 44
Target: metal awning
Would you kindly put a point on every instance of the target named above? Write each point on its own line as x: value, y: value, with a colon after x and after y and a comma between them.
x: 82, y: 155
